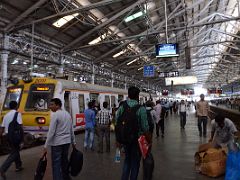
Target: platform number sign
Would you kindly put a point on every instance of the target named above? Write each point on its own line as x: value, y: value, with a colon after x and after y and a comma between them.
x: 148, y: 71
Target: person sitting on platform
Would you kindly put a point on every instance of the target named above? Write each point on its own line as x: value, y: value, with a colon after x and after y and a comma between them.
x: 222, y: 133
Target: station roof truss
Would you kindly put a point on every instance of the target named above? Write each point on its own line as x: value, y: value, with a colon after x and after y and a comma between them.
x: 116, y: 38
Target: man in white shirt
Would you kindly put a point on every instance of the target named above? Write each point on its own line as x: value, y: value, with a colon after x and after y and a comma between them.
x: 222, y: 133
x: 183, y: 113
x: 60, y: 136
x: 158, y: 109
x: 202, y: 113
x: 14, y: 156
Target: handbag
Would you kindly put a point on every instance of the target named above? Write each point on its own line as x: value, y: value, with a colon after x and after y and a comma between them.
x: 75, y: 162
x: 148, y: 166
x: 41, y: 168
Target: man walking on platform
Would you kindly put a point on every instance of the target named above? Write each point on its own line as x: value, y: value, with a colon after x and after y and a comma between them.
x: 202, y: 113
x: 14, y: 156
x: 182, y: 113
x: 139, y: 122
x: 103, y: 125
x: 60, y: 136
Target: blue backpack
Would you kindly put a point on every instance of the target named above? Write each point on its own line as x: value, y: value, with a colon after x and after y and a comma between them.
x: 15, y: 131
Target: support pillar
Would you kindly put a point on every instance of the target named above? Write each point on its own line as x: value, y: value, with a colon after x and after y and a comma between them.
x: 61, y: 67
x: 4, y: 57
x: 125, y: 83
x: 112, y: 80
x: 93, y: 75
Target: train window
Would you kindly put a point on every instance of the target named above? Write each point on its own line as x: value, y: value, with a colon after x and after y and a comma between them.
x: 112, y: 101
x: 94, y: 96
x: 81, y: 103
x: 107, y: 99
x: 39, y: 97
x: 13, y: 94
x: 66, y: 101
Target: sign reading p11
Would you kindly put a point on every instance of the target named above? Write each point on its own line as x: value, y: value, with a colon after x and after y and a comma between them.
x: 148, y: 71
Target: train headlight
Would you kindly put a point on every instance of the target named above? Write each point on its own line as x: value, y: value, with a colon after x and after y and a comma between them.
x: 41, y: 120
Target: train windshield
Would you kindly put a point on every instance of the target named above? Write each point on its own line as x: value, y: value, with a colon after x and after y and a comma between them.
x: 39, y: 97
x: 13, y: 94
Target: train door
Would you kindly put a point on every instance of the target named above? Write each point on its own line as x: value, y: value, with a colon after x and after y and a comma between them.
x: 80, y: 119
x: 107, y: 99
x: 67, y: 102
x: 113, y: 102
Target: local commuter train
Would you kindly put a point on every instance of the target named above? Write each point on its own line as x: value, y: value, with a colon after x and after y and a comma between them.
x: 34, y: 94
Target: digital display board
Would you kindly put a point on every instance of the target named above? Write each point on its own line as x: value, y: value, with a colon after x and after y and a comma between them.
x: 180, y: 80
x: 169, y: 74
x: 167, y: 50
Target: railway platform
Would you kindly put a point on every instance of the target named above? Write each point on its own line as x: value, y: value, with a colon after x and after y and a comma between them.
x: 173, y: 155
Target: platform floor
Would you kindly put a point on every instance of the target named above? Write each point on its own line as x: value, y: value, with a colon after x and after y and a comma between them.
x: 173, y: 155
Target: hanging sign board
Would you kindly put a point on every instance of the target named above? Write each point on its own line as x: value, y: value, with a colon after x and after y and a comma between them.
x: 148, y: 71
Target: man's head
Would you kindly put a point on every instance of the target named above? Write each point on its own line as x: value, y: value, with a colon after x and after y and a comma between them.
x: 202, y: 97
x: 182, y: 101
x: 219, y: 119
x: 133, y: 93
x: 105, y: 104
x: 90, y: 105
x: 158, y: 102
x: 55, y: 104
x: 13, y: 105
x: 149, y: 104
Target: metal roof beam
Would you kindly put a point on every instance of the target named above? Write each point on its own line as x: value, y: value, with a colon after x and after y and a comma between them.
x: 24, y: 15
x: 66, y: 48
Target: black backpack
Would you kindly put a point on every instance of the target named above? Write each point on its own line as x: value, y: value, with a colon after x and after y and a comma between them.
x: 150, y: 121
x: 75, y: 162
x: 15, y: 131
x: 126, y: 129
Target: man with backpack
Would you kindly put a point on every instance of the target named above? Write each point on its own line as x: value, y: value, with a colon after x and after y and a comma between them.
x: 12, y: 127
x: 131, y: 122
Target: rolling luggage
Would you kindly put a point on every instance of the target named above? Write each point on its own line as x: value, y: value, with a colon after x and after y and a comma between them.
x: 75, y: 162
x: 41, y: 168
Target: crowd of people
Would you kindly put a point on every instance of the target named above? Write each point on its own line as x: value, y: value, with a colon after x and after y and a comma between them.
x: 148, y: 117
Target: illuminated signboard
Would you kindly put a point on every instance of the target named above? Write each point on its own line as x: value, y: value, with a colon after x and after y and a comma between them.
x: 17, y: 90
x: 148, y: 71
x: 187, y: 91
x: 180, y: 80
x: 169, y: 74
x: 42, y: 88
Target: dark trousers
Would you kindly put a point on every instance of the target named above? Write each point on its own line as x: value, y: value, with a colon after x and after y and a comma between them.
x: 14, y: 156
x: 104, y: 131
x: 159, y: 125
x: 60, y: 162
x: 182, y: 119
x: 131, y: 162
x: 202, y: 125
x: 171, y: 110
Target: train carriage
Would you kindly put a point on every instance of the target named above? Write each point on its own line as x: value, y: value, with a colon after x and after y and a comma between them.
x: 33, y: 96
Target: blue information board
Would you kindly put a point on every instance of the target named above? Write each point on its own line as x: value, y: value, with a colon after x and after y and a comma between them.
x: 148, y: 71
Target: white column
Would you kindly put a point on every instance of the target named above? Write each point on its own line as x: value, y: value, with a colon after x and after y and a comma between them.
x: 61, y: 67
x: 4, y: 56
x: 93, y: 75
x: 112, y: 80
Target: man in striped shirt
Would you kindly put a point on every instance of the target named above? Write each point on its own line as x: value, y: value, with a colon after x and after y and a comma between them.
x: 103, y: 125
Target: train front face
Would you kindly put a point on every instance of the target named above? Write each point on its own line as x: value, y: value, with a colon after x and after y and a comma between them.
x: 33, y: 99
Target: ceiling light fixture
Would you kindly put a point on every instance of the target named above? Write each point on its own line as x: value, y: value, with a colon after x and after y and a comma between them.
x: 132, y: 61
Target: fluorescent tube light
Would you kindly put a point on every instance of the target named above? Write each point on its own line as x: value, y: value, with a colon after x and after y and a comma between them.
x: 134, y: 16
x: 62, y: 21
x: 140, y: 68
x: 97, y: 40
x: 132, y: 61
x: 119, y: 53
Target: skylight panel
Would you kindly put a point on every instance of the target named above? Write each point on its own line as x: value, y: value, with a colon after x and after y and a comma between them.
x: 62, y: 21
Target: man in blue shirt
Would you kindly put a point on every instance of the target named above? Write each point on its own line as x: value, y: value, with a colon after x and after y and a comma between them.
x: 89, y: 126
